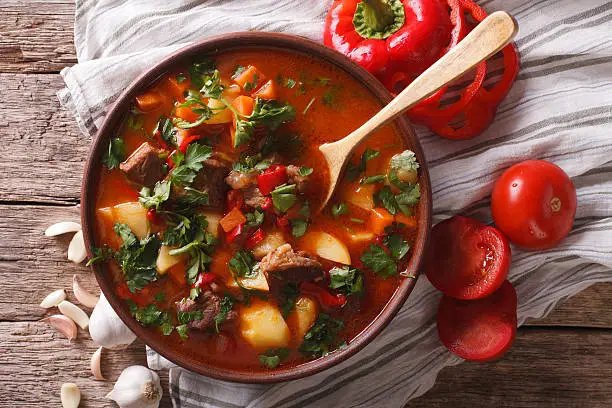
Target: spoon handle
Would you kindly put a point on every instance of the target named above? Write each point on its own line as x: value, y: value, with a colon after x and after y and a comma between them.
x: 490, y: 36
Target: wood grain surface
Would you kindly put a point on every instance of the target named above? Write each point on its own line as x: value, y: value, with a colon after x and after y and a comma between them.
x: 561, y: 361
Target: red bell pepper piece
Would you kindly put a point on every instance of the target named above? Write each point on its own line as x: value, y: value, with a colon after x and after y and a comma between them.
x: 204, y: 278
x: 153, y: 216
x: 273, y: 176
x: 255, y: 238
x: 267, y: 204
x: 231, y: 236
x: 185, y: 142
x: 282, y: 223
x: 325, y: 298
x: 234, y: 199
x: 381, y: 35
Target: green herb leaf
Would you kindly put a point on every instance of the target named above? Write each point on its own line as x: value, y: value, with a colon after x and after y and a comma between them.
x: 387, y: 198
x: 160, y: 297
x: 379, y: 178
x: 100, y: 255
x: 198, y: 70
x: 187, y: 317
x: 238, y: 69
x: 339, y: 209
x: 166, y: 130
x: 298, y: 227
x: 305, y: 171
x: 273, y: 357
x: 347, y: 280
x: 381, y: 263
x: 254, y: 219
x: 149, y: 315
x: 265, y: 113
x: 115, y: 153
x: 353, y: 172
x: 289, y: 293
x: 242, y: 264
x: 283, y: 197
x: 407, y: 198
x: 161, y: 193
x: 180, y: 78
x: 227, y: 303
x: 305, y: 210
x: 183, y: 331
x: 397, y: 246
x: 321, y: 338
x: 185, y: 169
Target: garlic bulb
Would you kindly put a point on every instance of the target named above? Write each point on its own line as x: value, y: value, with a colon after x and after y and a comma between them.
x: 137, y: 387
x: 70, y: 395
x: 53, y: 299
x: 63, y: 227
x: 107, y: 329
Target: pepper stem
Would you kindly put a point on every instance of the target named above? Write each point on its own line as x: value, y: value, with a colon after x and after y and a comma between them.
x: 378, y: 14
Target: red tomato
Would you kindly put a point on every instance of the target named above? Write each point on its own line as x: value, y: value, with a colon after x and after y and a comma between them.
x: 479, y: 330
x: 466, y: 259
x: 534, y: 204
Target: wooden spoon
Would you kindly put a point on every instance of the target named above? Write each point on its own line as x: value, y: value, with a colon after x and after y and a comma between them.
x: 490, y: 36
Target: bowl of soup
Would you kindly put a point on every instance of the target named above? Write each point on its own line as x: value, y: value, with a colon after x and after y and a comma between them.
x: 199, y: 209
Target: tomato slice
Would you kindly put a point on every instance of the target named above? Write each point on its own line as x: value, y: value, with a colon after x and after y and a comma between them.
x: 479, y: 330
x: 467, y: 259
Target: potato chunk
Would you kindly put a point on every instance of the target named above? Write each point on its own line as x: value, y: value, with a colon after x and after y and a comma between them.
x: 329, y: 247
x: 258, y: 282
x: 271, y: 241
x: 262, y: 326
x: 361, y: 196
x: 213, y: 219
x: 302, y: 318
x: 166, y: 261
x: 133, y: 214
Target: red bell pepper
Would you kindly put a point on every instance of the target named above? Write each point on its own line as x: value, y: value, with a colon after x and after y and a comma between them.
x: 267, y: 204
x: 204, y: 278
x: 153, y: 216
x: 255, y: 238
x: 385, y: 36
x: 234, y: 199
x: 325, y: 298
x: 185, y: 142
x: 282, y: 223
x: 273, y: 176
x: 231, y: 236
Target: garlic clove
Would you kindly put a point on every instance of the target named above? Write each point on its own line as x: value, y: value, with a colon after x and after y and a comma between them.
x: 75, y: 313
x: 63, y: 227
x: 70, y: 395
x: 94, y: 365
x: 84, y: 297
x: 76, y: 250
x: 62, y: 324
x: 137, y: 387
x: 53, y: 299
x: 107, y: 329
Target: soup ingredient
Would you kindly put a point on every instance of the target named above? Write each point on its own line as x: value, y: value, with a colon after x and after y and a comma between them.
x: 322, y: 338
x: 272, y: 177
x: 262, y: 325
x: 361, y: 196
x: 303, y: 317
x: 328, y: 247
x: 232, y: 219
x: 378, y: 34
x: 61, y: 228
x: 145, y: 167
x: 70, y: 395
x: 327, y: 299
x: 76, y: 249
x: 466, y: 259
x: 347, y: 279
x: 63, y: 324
x: 534, y: 204
x: 482, y: 329
x: 289, y: 265
x: 273, y: 357
x: 115, y: 153
x: 132, y: 214
x: 94, y: 364
x: 137, y: 387
x: 269, y: 243
x: 75, y: 313
x: 107, y: 329
x: 270, y: 114
x: 379, y: 220
x: 137, y: 258
x: 84, y: 297
x: 165, y: 261
x: 53, y: 299
x: 383, y: 259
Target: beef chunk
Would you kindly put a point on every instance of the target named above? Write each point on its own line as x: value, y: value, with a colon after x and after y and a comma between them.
x: 210, y: 179
x: 144, y: 167
x: 301, y: 182
x: 253, y: 197
x: 209, y: 304
x: 288, y: 265
x: 238, y: 180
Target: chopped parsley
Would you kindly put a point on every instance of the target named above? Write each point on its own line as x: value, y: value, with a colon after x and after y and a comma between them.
x: 265, y: 113
x: 135, y: 120
x: 254, y: 219
x: 166, y: 130
x: 305, y: 171
x: 353, y: 171
x: 382, y: 263
x: 321, y: 339
x: 160, y: 194
x: 289, y: 293
x: 160, y: 297
x: 347, y: 280
x: 242, y: 264
x: 406, y: 162
x: 400, y: 202
x: 379, y: 178
x: 100, y: 255
x: 397, y: 246
x: 197, y: 105
x: 115, y: 153
x: 183, y: 331
x: 283, y: 197
x: 298, y: 227
x: 339, y: 209
x: 273, y: 357
x: 180, y: 78
x: 238, y: 69
x: 305, y: 210
x: 186, y: 166
x: 187, y: 317
x: 137, y: 258
x: 199, y: 70
x: 149, y: 315
x: 227, y: 303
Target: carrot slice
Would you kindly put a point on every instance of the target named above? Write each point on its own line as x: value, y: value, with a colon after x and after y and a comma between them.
x: 269, y: 90
x: 177, y: 274
x: 379, y: 220
x: 232, y: 219
x: 482, y: 329
x: 409, y: 222
x: 250, y: 79
x: 244, y: 105
x: 149, y: 101
x: 186, y: 113
x: 177, y: 88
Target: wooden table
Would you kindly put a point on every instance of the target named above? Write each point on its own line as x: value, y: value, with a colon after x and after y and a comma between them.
x: 563, y: 360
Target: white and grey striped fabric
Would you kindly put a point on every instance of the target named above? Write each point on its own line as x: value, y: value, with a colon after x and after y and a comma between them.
x: 560, y: 109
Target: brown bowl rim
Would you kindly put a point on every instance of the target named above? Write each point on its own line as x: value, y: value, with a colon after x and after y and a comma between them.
x: 210, y: 46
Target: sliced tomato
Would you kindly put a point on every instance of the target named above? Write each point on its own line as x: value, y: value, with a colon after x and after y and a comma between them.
x: 482, y: 329
x: 467, y: 259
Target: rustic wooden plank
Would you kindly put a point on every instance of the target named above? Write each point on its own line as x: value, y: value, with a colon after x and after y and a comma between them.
x: 545, y: 368
x: 36, y: 35
x: 44, y: 153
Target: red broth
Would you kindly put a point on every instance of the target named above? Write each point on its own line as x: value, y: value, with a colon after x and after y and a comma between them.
x: 328, y: 105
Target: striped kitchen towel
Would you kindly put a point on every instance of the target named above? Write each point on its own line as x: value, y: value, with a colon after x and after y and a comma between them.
x: 559, y: 109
